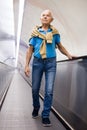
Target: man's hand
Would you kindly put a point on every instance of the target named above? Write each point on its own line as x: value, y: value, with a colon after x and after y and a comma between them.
x: 27, y: 71
x: 71, y: 57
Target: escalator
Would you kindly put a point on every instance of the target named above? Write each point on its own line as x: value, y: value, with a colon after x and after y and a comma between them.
x: 16, y: 110
x: 69, y: 103
x: 70, y: 92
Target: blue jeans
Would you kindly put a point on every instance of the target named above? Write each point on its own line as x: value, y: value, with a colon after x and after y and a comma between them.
x: 48, y: 66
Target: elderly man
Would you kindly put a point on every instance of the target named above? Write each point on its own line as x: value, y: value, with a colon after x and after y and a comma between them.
x: 42, y: 43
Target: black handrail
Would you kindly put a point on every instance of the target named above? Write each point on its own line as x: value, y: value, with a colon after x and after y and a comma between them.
x: 74, y: 58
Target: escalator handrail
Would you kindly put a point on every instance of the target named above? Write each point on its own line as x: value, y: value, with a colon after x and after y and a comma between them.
x: 73, y: 59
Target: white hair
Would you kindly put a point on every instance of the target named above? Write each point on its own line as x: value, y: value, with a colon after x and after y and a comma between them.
x: 48, y: 11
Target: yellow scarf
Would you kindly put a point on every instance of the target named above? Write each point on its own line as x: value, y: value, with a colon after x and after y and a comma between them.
x: 47, y: 38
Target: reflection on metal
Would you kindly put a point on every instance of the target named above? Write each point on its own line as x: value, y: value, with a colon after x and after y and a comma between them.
x: 6, y: 74
x: 70, y: 92
x: 62, y: 118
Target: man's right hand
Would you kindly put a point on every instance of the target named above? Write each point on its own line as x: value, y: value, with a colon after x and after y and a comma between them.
x: 27, y: 71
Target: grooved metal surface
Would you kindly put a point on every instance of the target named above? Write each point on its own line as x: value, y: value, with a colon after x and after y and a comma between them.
x: 17, y: 108
x: 6, y: 74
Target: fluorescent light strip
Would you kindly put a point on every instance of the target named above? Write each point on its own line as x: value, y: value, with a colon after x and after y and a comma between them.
x: 20, y: 17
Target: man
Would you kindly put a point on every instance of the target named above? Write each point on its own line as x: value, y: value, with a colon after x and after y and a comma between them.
x: 44, y: 39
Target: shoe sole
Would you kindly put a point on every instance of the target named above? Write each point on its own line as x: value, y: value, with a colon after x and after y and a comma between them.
x: 35, y: 117
x: 47, y: 125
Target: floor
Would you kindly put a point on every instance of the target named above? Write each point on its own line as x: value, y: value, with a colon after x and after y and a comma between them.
x: 17, y: 108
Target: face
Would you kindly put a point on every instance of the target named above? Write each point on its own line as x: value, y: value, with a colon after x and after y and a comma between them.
x: 46, y: 17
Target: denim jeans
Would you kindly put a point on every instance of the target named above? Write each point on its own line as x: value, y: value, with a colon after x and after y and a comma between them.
x: 40, y: 66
